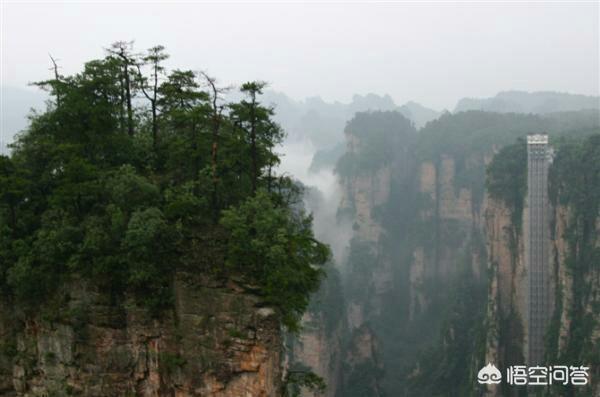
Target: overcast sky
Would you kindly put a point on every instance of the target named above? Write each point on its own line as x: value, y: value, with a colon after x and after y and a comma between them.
x: 432, y: 53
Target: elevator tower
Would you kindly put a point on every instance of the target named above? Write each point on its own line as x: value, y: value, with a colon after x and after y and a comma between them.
x: 538, y: 272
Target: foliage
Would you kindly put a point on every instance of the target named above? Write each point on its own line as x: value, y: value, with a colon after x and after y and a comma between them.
x: 413, y: 222
x: 465, y: 133
x: 171, y: 362
x: 443, y: 368
x: 326, y: 158
x: 469, y: 137
x: 507, y: 179
x: 362, y: 378
x: 275, y: 247
x: 362, y: 260
x: 328, y: 302
x: 574, y: 184
x: 376, y: 138
x: 298, y: 379
x: 123, y: 180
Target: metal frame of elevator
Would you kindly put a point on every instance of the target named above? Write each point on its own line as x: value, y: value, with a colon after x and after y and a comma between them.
x: 538, y: 160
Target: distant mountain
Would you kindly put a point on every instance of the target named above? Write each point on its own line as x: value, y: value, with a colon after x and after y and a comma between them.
x: 529, y: 102
x: 327, y: 158
x: 322, y: 123
x: 418, y: 114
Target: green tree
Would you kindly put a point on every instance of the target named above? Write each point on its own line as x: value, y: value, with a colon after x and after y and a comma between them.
x: 276, y: 249
x: 149, y: 86
x: 123, y: 51
x: 261, y: 133
x: 507, y: 179
x: 216, y: 123
x: 86, y: 194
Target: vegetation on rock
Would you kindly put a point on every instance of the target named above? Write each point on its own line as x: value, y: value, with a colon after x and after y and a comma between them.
x: 134, y: 172
x: 574, y: 184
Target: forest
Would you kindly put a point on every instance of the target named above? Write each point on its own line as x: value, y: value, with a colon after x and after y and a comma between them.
x: 134, y: 172
x: 154, y: 242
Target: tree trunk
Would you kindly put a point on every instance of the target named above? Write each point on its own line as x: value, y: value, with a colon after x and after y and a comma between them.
x: 128, y: 99
x: 154, y: 126
x: 253, y: 150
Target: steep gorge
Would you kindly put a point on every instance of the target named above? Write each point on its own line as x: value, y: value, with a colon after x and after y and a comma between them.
x: 433, y: 282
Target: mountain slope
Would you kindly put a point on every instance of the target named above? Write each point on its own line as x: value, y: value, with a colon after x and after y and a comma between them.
x: 529, y: 102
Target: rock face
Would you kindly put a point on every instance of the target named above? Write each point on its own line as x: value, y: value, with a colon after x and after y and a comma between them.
x: 216, y: 342
x: 454, y: 216
x: 363, y: 365
x: 577, y: 299
x: 395, y: 292
x: 435, y: 281
x: 364, y: 193
x: 369, y: 275
x: 463, y: 227
x: 320, y: 351
x: 506, y: 316
x: 506, y: 321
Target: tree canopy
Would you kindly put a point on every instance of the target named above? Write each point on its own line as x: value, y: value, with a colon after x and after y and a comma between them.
x: 135, y: 171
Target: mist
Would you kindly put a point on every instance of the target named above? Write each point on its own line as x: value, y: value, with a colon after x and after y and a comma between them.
x: 447, y: 154
x: 330, y: 50
x: 322, y: 198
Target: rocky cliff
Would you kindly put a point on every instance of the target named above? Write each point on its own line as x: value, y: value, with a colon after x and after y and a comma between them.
x: 218, y: 341
x: 573, y: 337
x: 318, y: 346
x: 418, y: 229
x: 575, y: 334
x: 434, y: 281
x: 368, y: 275
x: 506, y: 314
x: 506, y: 327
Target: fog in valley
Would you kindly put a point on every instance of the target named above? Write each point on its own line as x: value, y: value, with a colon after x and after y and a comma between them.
x: 409, y: 129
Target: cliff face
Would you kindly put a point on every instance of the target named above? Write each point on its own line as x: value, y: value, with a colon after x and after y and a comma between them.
x: 216, y: 342
x: 435, y: 280
x: 367, y: 284
x: 506, y: 315
x: 459, y: 236
x: 369, y: 274
x: 418, y: 231
x: 506, y: 327
x: 453, y: 220
x: 318, y: 346
x: 573, y: 335
x: 319, y: 350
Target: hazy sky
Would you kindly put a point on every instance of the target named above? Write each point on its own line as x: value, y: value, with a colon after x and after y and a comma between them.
x: 433, y: 53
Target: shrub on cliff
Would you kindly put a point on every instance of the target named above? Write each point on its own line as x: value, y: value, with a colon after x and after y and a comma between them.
x: 507, y: 179
x: 275, y: 248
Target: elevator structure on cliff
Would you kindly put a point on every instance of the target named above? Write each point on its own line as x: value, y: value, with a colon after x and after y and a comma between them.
x: 538, y: 245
